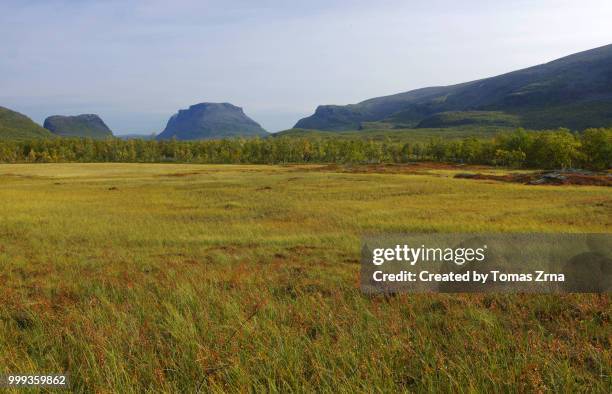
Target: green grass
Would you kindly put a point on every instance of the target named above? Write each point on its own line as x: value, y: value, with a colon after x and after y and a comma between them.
x: 144, y: 277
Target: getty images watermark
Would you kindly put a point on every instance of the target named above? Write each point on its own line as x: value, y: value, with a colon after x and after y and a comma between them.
x: 507, y: 263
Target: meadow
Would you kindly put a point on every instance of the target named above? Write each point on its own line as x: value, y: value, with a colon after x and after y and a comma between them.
x: 236, y: 278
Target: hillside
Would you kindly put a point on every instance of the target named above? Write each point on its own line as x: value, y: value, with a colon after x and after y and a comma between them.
x: 398, y: 135
x: 14, y: 125
x: 210, y: 121
x: 471, y: 118
x: 87, y: 125
x: 574, y: 92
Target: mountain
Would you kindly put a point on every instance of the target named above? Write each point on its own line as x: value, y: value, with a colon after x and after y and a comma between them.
x: 88, y: 125
x: 573, y: 92
x: 210, y: 121
x: 14, y: 125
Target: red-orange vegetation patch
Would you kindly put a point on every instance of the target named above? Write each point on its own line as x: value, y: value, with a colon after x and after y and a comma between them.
x: 516, y: 178
x: 541, y: 178
x: 226, y: 249
x: 590, y: 180
x: 417, y: 168
x: 180, y: 174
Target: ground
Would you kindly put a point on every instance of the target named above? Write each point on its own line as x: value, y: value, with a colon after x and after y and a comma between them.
x: 134, y: 277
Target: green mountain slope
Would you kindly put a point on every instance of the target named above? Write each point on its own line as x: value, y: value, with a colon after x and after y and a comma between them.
x: 464, y: 118
x: 574, y: 91
x: 414, y: 135
x: 14, y: 125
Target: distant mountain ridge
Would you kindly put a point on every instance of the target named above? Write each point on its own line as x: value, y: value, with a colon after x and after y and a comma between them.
x: 14, y: 125
x: 210, y: 121
x: 574, y: 91
x: 86, y: 125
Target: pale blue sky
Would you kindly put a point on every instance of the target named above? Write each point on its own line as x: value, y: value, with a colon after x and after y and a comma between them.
x: 135, y: 63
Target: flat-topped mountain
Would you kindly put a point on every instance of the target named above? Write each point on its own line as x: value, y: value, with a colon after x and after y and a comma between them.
x: 14, y: 125
x: 86, y: 125
x: 574, y: 92
x: 210, y: 121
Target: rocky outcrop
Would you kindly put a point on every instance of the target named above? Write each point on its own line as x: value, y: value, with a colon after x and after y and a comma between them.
x: 211, y: 121
x: 87, y: 126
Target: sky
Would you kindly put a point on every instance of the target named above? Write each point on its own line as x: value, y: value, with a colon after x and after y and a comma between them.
x: 135, y: 63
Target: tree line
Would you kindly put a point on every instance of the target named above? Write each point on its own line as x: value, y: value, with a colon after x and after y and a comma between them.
x: 518, y: 149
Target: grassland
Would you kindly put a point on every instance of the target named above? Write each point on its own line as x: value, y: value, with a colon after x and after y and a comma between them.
x: 179, y: 278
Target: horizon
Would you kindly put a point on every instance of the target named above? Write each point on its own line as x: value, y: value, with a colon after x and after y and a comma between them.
x: 113, y: 67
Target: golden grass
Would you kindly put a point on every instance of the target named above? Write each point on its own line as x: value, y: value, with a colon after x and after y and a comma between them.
x: 160, y: 277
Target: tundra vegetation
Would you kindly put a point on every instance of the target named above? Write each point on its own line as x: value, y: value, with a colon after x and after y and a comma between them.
x: 215, y: 278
